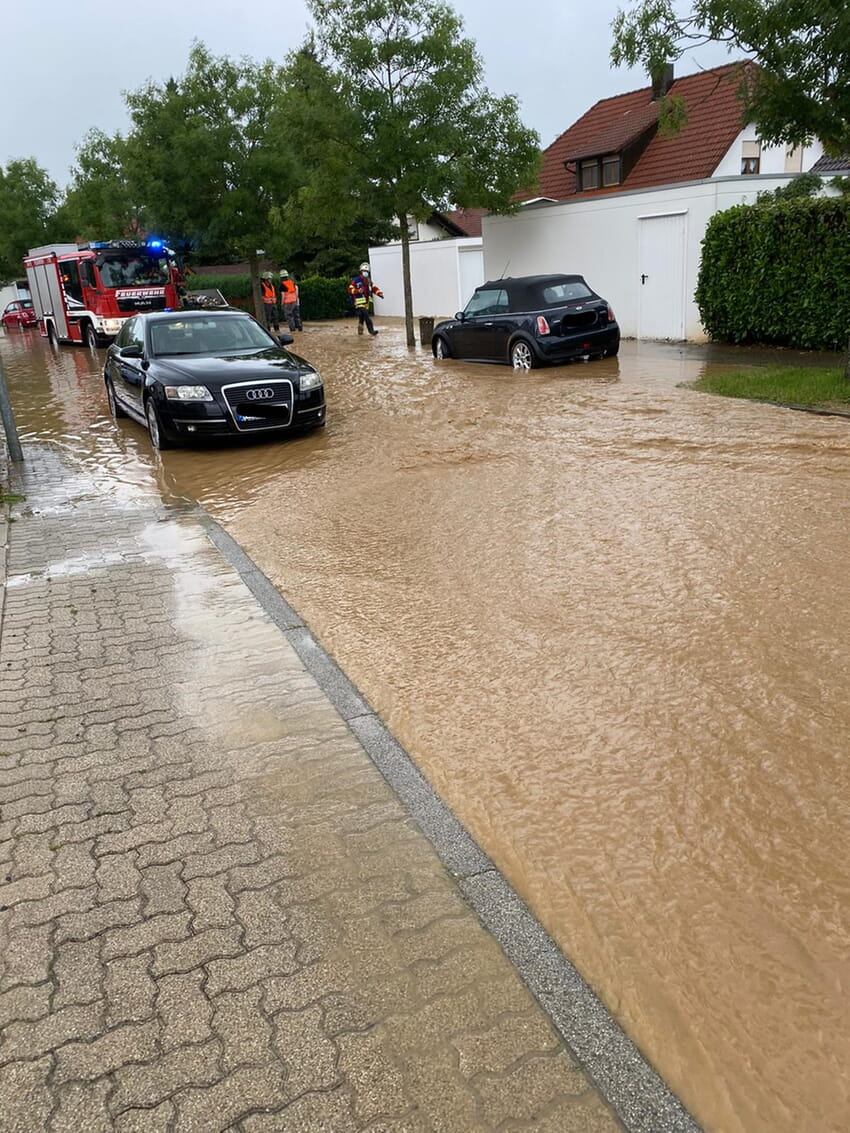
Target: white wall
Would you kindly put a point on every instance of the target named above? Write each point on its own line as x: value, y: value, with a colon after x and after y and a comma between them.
x: 10, y: 294
x: 772, y: 158
x: 443, y: 274
x: 599, y: 238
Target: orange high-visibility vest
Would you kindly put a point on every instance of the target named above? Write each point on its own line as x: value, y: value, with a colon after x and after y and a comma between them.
x: 289, y: 291
x: 268, y: 291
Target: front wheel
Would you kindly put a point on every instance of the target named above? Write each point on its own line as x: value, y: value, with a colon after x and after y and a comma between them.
x: 158, y: 439
x: 90, y: 337
x: 441, y: 348
x: 522, y: 356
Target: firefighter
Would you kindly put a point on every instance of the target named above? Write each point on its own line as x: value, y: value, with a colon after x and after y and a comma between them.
x: 361, y: 289
x: 269, y: 301
x: 290, y: 301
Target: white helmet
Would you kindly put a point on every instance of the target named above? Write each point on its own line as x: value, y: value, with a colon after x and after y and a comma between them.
x: 364, y: 268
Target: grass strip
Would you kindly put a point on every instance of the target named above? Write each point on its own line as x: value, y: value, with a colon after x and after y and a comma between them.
x: 812, y: 386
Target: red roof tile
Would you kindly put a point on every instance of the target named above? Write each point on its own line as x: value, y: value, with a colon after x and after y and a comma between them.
x: 467, y: 219
x: 714, y: 121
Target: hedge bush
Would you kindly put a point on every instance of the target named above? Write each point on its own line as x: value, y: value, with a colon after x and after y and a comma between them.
x: 320, y: 298
x: 778, y: 273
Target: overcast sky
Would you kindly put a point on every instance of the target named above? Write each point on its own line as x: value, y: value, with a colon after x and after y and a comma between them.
x: 64, y: 63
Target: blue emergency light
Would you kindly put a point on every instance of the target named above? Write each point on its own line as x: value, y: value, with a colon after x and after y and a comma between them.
x: 154, y: 243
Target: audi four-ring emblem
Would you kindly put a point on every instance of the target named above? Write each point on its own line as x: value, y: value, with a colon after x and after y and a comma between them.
x: 259, y: 394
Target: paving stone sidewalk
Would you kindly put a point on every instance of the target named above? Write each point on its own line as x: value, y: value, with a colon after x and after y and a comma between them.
x: 214, y: 913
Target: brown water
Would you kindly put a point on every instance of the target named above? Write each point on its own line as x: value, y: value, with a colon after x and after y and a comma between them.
x: 608, y: 617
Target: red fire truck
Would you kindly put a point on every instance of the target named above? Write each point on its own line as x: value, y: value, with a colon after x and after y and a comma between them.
x: 84, y: 293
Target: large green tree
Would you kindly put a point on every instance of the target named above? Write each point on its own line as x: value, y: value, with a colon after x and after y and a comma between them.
x: 801, y: 87
x: 413, y: 127
x: 208, y: 155
x: 28, y: 203
x: 327, y: 225
x: 99, y: 203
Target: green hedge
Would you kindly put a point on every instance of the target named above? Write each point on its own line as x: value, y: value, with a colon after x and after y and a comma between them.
x: 778, y: 273
x: 320, y: 298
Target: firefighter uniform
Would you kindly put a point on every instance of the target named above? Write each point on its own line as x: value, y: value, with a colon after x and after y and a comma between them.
x: 360, y: 291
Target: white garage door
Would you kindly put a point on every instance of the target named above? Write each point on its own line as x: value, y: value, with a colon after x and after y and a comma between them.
x: 661, y: 286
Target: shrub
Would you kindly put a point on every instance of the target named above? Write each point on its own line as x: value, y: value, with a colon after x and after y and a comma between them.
x: 232, y: 287
x: 777, y: 273
x: 320, y: 298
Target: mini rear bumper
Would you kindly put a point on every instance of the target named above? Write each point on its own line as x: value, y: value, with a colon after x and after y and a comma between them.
x: 554, y: 348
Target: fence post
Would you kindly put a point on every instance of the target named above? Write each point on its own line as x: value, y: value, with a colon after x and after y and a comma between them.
x: 12, y: 441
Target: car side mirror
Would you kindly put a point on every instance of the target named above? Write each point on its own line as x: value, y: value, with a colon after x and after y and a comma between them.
x: 461, y: 316
x: 134, y: 351
x: 285, y: 339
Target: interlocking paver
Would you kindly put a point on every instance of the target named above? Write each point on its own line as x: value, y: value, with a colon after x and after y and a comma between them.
x: 217, y: 914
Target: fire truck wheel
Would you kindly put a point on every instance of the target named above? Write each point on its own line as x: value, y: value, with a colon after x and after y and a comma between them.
x: 90, y: 337
x: 114, y: 408
x: 158, y: 438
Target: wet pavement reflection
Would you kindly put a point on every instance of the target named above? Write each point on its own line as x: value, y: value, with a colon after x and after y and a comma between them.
x: 607, y: 616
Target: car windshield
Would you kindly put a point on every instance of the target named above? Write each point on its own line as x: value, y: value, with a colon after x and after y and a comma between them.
x: 555, y: 294
x: 207, y: 336
x: 487, y: 302
x: 134, y: 271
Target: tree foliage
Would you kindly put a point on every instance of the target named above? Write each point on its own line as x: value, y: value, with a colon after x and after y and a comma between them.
x: 801, y: 87
x: 208, y: 155
x: 100, y: 203
x: 329, y: 222
x: 413, y: 127
x: 28, y: 204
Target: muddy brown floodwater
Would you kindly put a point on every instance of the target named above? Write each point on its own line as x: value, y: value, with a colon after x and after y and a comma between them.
x: 609, y: 619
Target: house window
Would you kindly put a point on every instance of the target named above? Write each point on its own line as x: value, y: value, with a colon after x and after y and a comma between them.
x: 750, y: 157
x: 611, y: 170
x: 590, y: 175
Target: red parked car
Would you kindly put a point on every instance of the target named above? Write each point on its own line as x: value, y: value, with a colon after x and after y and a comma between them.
x: 19, y: 314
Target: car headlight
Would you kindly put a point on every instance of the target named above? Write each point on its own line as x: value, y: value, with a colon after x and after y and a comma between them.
x: 310, y: 381
x: 188, y: 393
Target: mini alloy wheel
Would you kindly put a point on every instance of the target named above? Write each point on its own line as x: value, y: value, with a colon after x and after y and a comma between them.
x: 441, y: 348
x: 522, y: 356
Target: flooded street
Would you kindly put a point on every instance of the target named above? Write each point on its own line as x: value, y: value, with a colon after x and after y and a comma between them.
x: 607, y: 617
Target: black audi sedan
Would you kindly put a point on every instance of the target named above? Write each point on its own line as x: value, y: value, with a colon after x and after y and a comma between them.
x: 529, y: 321
x: 209, y: 373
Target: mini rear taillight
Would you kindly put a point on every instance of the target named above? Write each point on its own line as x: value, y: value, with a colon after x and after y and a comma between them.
x: 542, y: 325
x: 611, y: 316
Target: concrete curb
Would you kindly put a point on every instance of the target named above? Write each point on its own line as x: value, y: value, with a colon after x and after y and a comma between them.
x: 636, y: 1093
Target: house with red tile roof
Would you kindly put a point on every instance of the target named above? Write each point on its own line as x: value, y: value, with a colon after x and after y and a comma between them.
x: 617, y: 143
x: 619, y: 201
x: 626, y: 204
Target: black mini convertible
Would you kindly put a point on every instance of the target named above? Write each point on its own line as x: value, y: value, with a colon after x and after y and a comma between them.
x: 529, y: 321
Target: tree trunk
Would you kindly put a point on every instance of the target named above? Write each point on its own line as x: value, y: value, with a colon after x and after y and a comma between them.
x: 254, y: 267
x: 847, y: 363
x: 408, y: 289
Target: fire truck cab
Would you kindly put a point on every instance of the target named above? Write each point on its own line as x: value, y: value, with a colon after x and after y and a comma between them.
x: 84, y: 293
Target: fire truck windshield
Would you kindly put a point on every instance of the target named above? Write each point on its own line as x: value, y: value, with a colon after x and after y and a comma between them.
x: 133, y: 271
